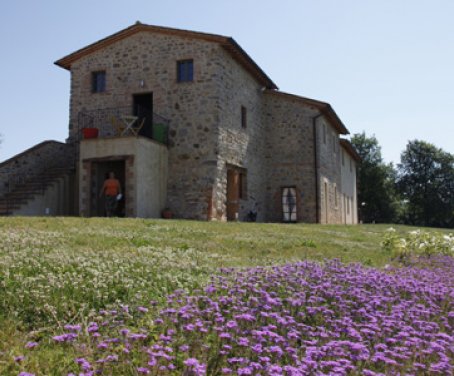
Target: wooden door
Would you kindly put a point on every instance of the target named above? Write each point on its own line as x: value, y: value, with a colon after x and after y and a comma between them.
x: 233, y: 194
x: 143, y: 109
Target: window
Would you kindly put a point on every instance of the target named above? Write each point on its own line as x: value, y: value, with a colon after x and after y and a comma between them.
x: 289, y: 204
x: 243, y: 117
x: 98, y: 82
x: 185, y: 71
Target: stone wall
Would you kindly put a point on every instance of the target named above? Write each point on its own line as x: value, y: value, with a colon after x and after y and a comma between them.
x: 239, y: 146
x: 289, y: 155
x: 34, y: 161
x: 147, y: 62
x: 348, y: 189
x: 329, y: 172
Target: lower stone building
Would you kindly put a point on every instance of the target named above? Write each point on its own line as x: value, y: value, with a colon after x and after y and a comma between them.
x: 191, y: 124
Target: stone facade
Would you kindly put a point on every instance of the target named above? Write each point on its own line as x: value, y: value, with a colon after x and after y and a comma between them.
x: 230, y: 117
x: 329, y: 173
x: 289, y: 155
x: 348, y: 184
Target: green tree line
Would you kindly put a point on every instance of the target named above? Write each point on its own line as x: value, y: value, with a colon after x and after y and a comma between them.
x: 417, y: 191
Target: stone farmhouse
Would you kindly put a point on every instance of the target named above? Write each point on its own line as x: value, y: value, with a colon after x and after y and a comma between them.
x: 189, y: 123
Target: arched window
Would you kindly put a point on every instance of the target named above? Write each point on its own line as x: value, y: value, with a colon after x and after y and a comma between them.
x: 289, y: 204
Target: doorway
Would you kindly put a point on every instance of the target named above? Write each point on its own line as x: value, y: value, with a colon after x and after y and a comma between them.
x: 143, y: 108
x: 99, y: 173
x: 233, y: 194
x: 289, y: 210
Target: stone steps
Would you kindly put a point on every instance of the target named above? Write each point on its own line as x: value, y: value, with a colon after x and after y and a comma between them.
x: 24, y: 192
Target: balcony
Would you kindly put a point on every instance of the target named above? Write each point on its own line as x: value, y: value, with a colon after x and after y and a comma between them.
x: 118, y: 122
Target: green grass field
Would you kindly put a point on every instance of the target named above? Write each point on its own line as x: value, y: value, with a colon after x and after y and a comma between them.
x: 55, y: 271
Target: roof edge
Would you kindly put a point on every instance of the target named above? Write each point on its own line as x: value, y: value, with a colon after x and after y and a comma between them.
x: 324, y: 107
x: 350, y: 149
x: 228, y: 43
x: 30, y: 149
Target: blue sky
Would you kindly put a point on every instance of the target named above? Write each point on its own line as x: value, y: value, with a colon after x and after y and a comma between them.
x: 386, y: 66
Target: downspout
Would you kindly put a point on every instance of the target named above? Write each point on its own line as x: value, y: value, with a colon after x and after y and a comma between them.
x: 316, y: 167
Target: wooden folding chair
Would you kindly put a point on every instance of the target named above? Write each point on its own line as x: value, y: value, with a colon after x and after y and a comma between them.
x: 118, y: 126
x: 137, y: 127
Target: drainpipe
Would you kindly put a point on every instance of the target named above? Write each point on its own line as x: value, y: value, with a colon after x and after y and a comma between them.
x: 316, y: 167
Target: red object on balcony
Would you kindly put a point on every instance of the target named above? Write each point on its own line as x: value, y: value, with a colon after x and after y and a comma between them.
x: 90, y: 132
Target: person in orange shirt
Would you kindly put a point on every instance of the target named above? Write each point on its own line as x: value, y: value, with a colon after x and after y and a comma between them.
x: 111, y: 189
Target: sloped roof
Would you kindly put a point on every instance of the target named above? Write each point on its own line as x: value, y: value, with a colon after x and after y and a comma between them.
x: 227, y: 43
x: 347, y: 145
x: 324, y: 107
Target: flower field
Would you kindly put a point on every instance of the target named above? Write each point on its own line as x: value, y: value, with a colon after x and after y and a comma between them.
x: 154, y: 297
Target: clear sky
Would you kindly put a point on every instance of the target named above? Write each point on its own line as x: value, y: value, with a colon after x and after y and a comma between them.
x: 386, y: 66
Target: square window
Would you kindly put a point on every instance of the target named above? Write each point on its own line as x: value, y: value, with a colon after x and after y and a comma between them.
x: 98, y: 82
x: 243, y: 117
x: 185, y: 71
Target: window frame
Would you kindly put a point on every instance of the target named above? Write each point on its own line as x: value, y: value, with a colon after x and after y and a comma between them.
x: 293, y: 215
x: 184, y: 74
x: 98, y: 86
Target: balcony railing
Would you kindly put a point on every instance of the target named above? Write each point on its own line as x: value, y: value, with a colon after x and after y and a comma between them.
x: 112, y: 122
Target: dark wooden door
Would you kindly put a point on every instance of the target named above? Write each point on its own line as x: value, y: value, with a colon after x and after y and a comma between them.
x: 233, y: 195
x: 143, y: 108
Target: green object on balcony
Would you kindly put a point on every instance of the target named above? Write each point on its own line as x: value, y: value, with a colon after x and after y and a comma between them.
x: 160, y: 133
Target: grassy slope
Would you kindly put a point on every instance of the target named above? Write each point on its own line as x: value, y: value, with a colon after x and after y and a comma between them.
x: 155, y: 257
x: 244, y: 243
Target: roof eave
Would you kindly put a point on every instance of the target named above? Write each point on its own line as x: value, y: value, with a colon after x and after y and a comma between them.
x: 324, y: 108
x: 329, y: 112
x: 228, y: 43
x: 250, y: 64
x: 349, y: 148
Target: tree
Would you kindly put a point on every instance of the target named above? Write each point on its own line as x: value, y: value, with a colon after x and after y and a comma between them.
x: 426, y: 181
x: 377, y: 195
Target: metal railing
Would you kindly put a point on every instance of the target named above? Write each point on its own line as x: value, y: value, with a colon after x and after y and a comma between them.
x: 106, y: 121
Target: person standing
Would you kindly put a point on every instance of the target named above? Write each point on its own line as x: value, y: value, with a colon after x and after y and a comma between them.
x: 110, y: 189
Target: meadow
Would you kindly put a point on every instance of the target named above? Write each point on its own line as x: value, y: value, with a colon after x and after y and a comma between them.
x: 131, y: 296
